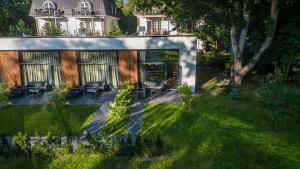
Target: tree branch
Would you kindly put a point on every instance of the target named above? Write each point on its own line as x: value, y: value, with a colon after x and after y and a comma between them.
x: 267, y: 42
x: 244, y: 31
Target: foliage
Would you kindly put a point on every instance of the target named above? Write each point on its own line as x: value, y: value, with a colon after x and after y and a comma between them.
x: 187, y: 98
x: 13, y: 11
x: 60, y: 97
x: 115, y: 31
x: 22, y: 142
x: 19, y: 29
x: 4, y: 92
x: 280, y: 97
x: 123, y: 100
x: 52, y: 30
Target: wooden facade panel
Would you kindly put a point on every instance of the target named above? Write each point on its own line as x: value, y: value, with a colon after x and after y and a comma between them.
x: 128, y: 66
x: 10, y: 68
x: 69, y: 67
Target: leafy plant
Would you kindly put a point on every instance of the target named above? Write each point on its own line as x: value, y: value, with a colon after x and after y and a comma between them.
x: 187, y: 98
x: 52, y: 30
x: 22, y: 142
x: 279, y: 96
x: 4, y: 92
x: 123, y: 100
x: 115, y: 31
x: 20, y: 28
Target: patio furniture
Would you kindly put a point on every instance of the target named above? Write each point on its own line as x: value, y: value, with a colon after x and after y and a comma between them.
x: 75, y: 92
x: 38, y: 87
x: 154, y: 86
x: 141, y: 91
x: 94, y: 88
x: 17, y: 92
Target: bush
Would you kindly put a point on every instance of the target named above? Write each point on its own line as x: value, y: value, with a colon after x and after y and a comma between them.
x: 52, y: 30
x: 280, y: 97
x: 123, y: 100
x: 4, y: 92
x: 22, y: 142
x: 187, y: 98
x: 60, y: 97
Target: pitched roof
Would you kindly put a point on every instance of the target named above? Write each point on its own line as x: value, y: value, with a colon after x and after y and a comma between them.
x: 100, y: 7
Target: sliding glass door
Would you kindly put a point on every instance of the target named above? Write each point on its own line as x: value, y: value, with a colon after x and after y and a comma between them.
x: 159, y: 65
x: 99, y: 66
x: 41, y: 66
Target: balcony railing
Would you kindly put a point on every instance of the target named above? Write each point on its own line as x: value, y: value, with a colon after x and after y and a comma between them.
x: 48, y: 13
x: 83, y: 12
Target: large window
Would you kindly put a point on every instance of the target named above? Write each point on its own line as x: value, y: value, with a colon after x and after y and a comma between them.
x: 41, y: 66
x: 159, y: 65
x: 99, y: 66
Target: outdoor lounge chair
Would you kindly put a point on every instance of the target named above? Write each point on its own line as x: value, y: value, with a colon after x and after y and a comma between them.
x: 94, y: 87
x: 75, y: 92
x: 37, y: 87
x: 154, y: 86
x: 17, y: 92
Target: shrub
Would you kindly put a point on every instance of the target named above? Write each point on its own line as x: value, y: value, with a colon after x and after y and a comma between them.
x: 279, y: 96
x: 186, y: 92
x: 52, y: 30
x: 4, y: 92
x: 123, y: 100
x: 59, y: 98
x: 22, y: 142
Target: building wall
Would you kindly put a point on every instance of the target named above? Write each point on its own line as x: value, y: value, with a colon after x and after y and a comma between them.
x: 165, y: 24
x: 10, y: 68
x: 185, y: 44
x: 128, y: 66
x: 70, y: 25
x: 69, y: 67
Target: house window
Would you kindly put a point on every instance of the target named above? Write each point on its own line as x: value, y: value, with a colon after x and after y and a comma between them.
x: 85, y: 8
x: 49, y: 6
x: 99, y: 66
x: 41, y: 66
x: 156, y: 26
x: 159, y: 65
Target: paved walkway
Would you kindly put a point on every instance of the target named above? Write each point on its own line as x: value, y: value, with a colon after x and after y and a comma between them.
x: 98, y: 122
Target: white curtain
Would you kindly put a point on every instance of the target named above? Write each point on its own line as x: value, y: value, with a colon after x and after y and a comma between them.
x: 99, y: 66
x: 41, y: 66
x: 35, y: 73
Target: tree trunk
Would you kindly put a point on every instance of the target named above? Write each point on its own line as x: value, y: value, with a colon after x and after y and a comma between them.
x: 238, y: 72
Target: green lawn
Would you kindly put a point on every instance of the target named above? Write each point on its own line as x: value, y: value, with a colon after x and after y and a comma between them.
x: 67, y: 120
x: 218, y: 133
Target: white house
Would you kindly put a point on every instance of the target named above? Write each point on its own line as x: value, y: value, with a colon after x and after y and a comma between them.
x: 75, y: 17
x: 153, y: 23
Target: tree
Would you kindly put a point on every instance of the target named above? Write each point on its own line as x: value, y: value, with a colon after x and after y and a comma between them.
x: 11, y: 11
x: 20, y: 28
x: 236, y: 14
x: 52, y: 30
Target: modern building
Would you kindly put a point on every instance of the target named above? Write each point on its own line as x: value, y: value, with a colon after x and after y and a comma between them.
x: 169, y: 59
x: 75, y: 17
x: 152, y: 22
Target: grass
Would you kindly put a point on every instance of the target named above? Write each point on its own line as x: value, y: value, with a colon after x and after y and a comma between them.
x: 218, y: 133
x: 67, y: 120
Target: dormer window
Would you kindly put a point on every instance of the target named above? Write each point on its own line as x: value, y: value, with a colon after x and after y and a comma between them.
x: 49, y: 6
x: 85, y: 8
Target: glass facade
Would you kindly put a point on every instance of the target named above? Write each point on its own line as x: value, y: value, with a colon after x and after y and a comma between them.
x: 41, y: 66
x: 99, y: 66
x: 159, y: 65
